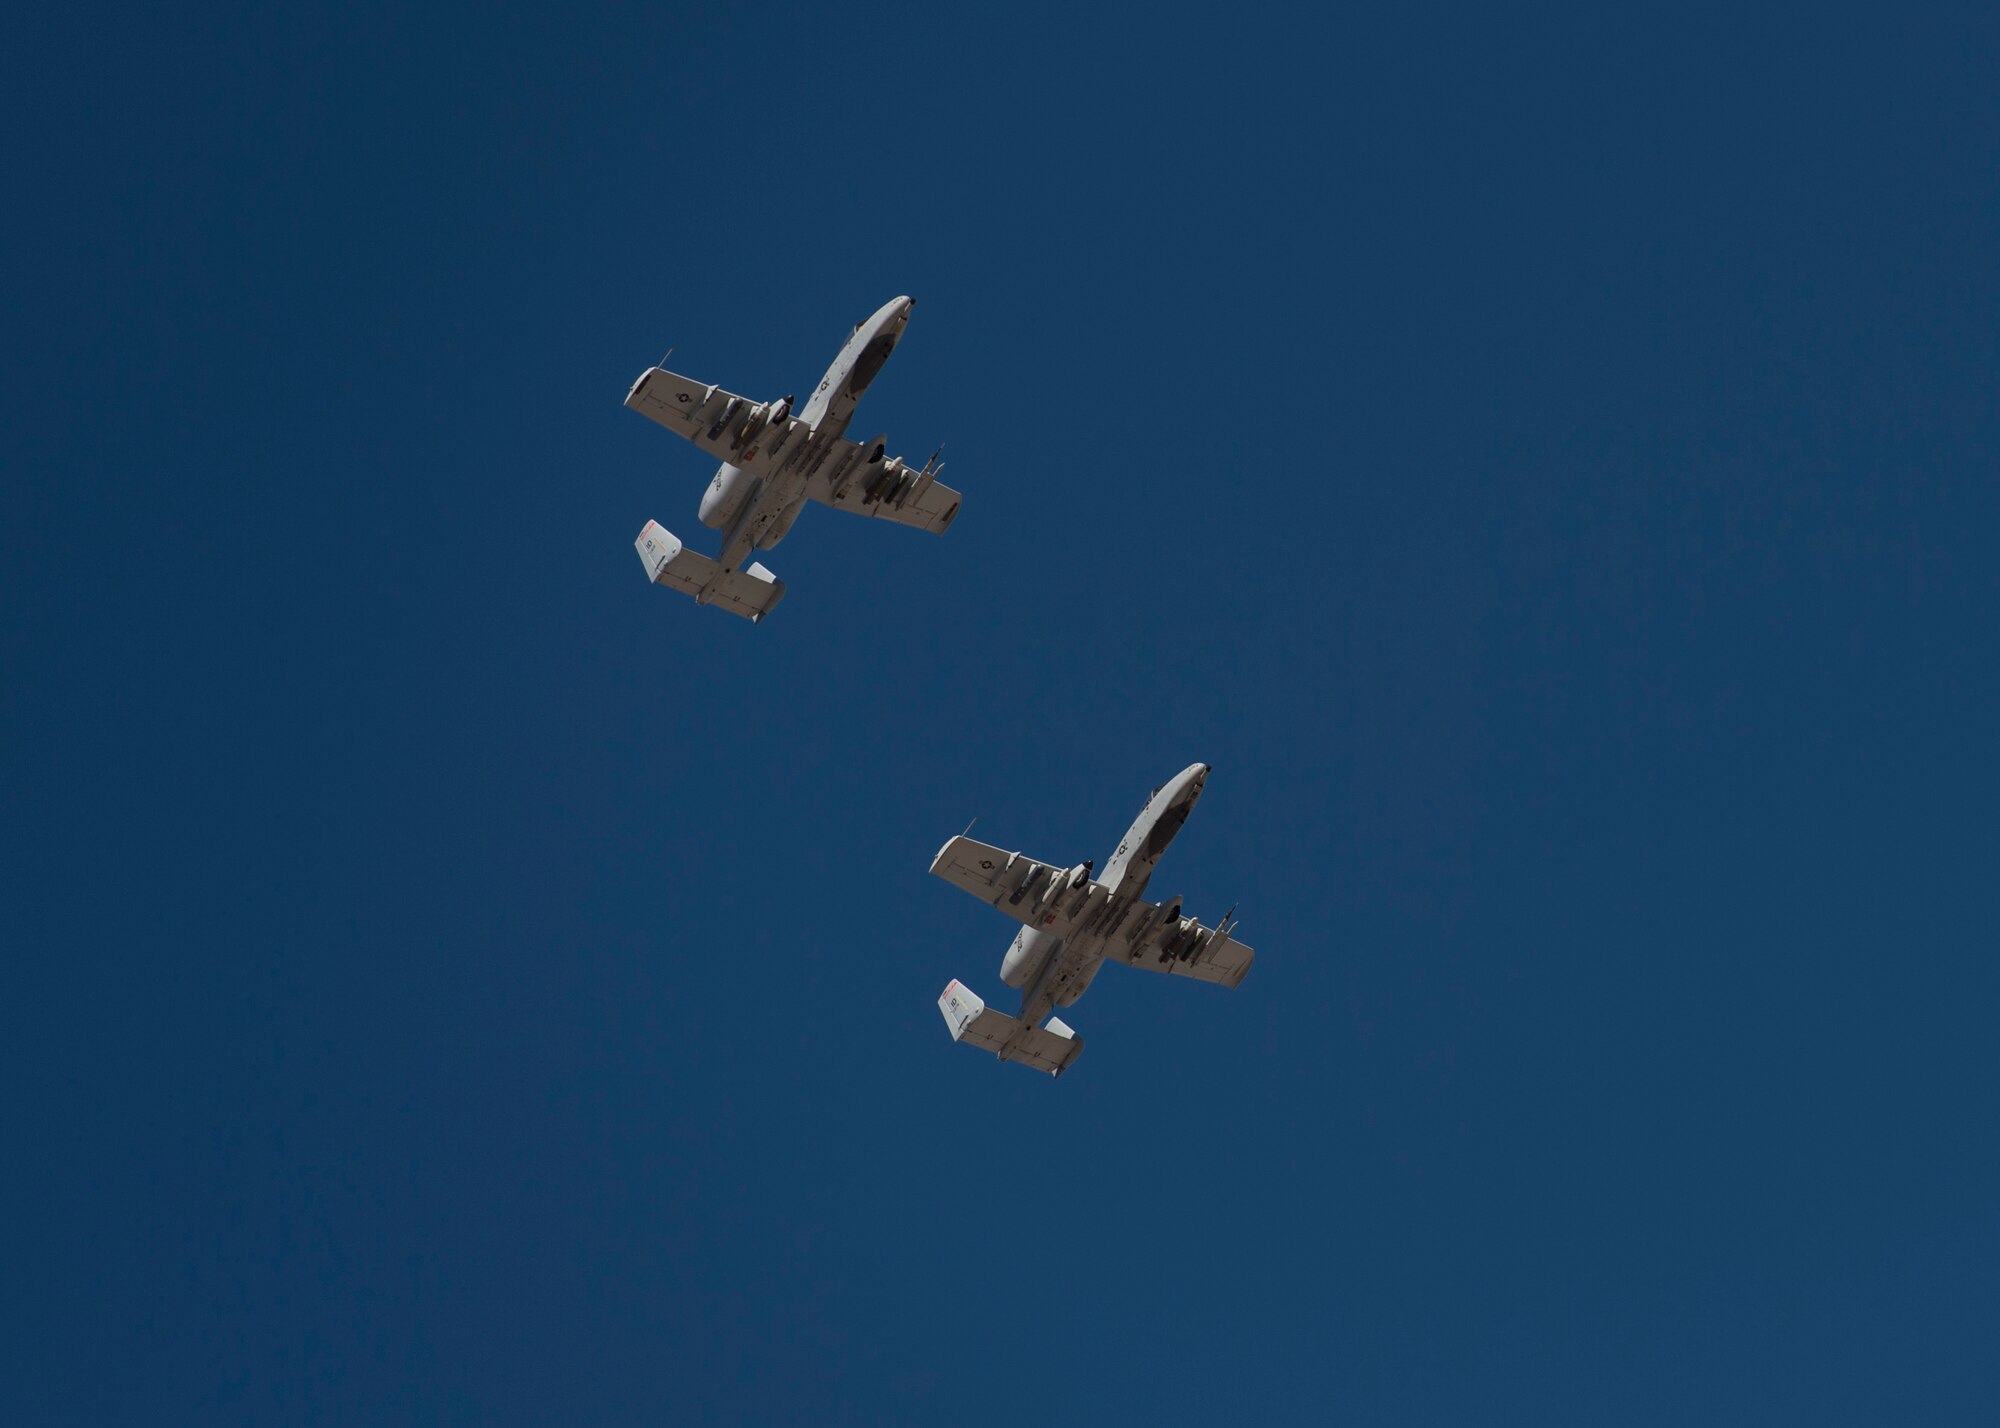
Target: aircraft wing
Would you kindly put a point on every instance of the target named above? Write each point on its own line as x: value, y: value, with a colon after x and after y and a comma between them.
x: 839, y: 473
x: 1068, y: 901
x: 1179, y: 946
x: 887, y: 491
x: 728, y: 427
x: 1034, y: 894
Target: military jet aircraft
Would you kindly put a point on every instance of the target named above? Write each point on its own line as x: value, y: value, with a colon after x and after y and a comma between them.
x: 1072, y: 923
x: 774, y: 462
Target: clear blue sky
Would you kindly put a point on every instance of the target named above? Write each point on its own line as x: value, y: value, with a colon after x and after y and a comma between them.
x: 1546, y: 464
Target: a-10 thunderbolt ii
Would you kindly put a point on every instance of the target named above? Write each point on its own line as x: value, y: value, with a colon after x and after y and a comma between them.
x: 774, y: 462
x: 1072, y: 924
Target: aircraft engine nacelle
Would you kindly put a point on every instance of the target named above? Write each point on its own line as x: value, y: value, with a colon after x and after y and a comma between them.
x: 724, y: 496
x: 775, y: 532
x: 1081, y: 984
x: 780, y: 409
x: 1025, y: 955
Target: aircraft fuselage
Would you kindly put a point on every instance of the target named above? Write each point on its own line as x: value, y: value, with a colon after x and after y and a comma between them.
x: 1053, y: 971
x: 756, y: 515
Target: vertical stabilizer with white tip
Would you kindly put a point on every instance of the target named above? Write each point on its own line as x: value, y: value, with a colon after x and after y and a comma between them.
x: 1048, y: 1048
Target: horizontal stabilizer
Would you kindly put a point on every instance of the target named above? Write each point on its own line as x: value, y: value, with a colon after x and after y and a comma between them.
x: 1048, y: 1048
x: 752, y: 592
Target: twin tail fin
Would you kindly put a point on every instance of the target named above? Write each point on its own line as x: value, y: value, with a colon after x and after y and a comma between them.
x: 1050, y: 1048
